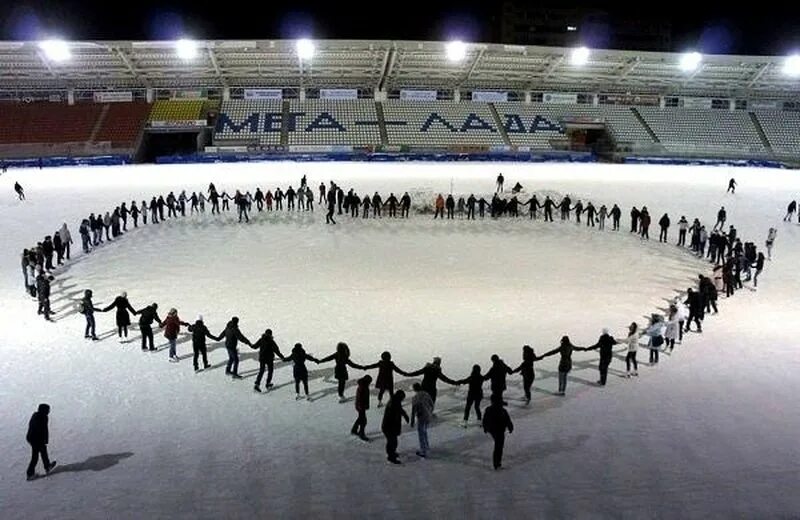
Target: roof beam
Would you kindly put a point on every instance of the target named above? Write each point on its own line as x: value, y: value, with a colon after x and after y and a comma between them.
x: 472, y: 66
x: 46, y: 63
x: 757, y: 76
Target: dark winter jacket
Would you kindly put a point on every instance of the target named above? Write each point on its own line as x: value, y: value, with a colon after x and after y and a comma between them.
x: 299, y: 358
x: 695, y: 303
x: 342, y: 359
x: 172, y: 325
x: 233, y: 335
x: 147, y: 316
x: 123, y: 306
x: 392, y: 417
x: 362, y: 396
x: 664, y: 222
x: 386, y: 370
x: 475, y: 382
x: 38, y: 432
x: 267, y: 348
x: 199, y: 334
x: 430, y: 375
x: 496, y: 420
x: 497, y: 375
x: 605, y: 344
x: 43, y: 286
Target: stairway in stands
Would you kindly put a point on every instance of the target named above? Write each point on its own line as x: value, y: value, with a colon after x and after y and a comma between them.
x: 650, y: 132
x: 760, y: 130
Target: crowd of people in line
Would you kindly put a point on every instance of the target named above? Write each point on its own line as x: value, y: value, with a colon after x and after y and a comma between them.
x: 731, y: 260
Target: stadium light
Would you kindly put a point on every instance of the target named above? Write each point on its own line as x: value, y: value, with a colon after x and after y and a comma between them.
x: 791, y: 66
x: 456, y: 50
x: 580, y: 56
x: 55, y: 50
x: 186, y: 49
x: 305, y: 49
x: 690, y: 61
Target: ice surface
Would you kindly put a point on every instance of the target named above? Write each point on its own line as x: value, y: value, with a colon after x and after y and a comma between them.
x: 711, y: 431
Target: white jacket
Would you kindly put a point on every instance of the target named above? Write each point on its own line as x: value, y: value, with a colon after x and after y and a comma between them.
x: 671, y: 331
x: 66, y: 238
x: 632, y: 341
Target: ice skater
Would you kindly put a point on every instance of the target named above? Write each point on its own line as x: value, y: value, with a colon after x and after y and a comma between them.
x: 341, y: 358
x: 199, y: 334
x: 673, y: 325
x: 147, y: 316
x: 43, y: 294
x: 123, y: 319
x: 770, y: 241
x: 439, y: 205
x: 233, y: 336
x: 172, y: 326
x: 422, y: 414
x: 331, y: 207
x: 759, y: 266
x: 299, y: 371
x: 87, y: 308
x: 605, y: 344
x: 564, y: 350
x: 474, y: 393
x: 267, y: 350
x: 38, y: 437
x: 655, y: 334
x: 664, y: 225
x: 721, y: 217
x: 632, y: 341
x: 496, y: 422
x: 790, y: 211
x: 431, y: 373
x: 731, y: 186
x: 500, y: 181
x: 385, y: 381
x: 497, y: 375
x: 392, y: 425
x: 20, y: 192
x: 696, y: 309
x: 526, y: 370
x: 362, y: 405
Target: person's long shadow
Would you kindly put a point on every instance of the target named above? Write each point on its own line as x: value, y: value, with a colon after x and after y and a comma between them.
x: 96, y: 463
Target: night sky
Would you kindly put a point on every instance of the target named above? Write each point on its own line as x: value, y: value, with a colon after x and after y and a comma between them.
x: 754, y: 28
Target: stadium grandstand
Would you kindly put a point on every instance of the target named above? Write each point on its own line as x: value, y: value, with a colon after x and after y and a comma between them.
x: 136, y: 101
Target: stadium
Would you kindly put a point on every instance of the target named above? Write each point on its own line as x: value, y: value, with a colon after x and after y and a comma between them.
x: 707, y: 431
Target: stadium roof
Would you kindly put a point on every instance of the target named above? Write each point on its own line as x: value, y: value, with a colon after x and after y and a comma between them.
x: 386, y: 65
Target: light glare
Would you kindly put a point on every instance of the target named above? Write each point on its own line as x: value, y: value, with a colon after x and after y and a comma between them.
x: 456, y: 51
x: 580, y: 56
x: 690, y: 61
x: 186, y: 49
x: 55, y: 50
x: 305, y: 49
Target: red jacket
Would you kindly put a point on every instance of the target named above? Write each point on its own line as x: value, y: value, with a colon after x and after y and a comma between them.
x: 171, y: 326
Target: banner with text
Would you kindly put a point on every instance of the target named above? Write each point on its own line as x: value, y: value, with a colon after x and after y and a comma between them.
x: 630, y: 99
x: 763, y: 105
x: 418, y: 95
x: 263, y: 93
x: 484, y: 96
x: 113, y: 97
x: 338, y: 93
x: 559, y: 98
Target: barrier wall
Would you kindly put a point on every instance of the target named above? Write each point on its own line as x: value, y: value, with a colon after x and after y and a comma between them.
x: 749, y: 163
x: 381, y: 157
x: 52, y: 162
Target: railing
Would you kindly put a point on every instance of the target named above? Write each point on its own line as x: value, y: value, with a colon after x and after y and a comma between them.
x: 54, y: 149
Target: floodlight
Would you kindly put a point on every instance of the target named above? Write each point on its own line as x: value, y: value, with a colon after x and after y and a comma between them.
x: 305, y: 49
x: 186, y: 49
x: 456, y: 50
x: 55, y: 50
x: 792, y: 65
x: 690, y: 61
x: 580, y: 56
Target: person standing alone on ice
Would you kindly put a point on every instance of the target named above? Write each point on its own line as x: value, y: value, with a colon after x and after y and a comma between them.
x: 770, y: 241
x: 721, y: 216
x: 496, y: 422
x: 731, y: 186
x: 422, y: 412
x: 500, y: 181
x: 19, y: 190
x: 391, y: 426
x: 790, y: 211
x: 38, y: 437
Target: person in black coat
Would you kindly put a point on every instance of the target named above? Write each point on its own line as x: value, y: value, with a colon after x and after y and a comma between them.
x: 497, y: 375
x: 405, y: 205
x: 362, y: 405
x: 385, y: 381
x: 635, y: 213
x: 38, y: 437
x: 496, y: 422
x: 605, y: 344
x: 299, y: 371
x: 267, y: 350
x: 696, y: 307
x: 709, y: 292
x: 146, y: 318
x: 342, y: 359
x: 474, y: 392
x: 449, y: 204
x: 331, y: 207
x: 526, y: 369
x: 392, y: 425
x: 664, y: 225
x: 564, y: 350
x: 431, y: 373
x: 47, y: 250
x: 43, y: 293
x: 199, y: 334
x: 233, y: 336
x: 123, y: 319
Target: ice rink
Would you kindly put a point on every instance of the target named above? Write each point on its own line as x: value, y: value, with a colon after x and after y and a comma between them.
x: 711, y: 431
